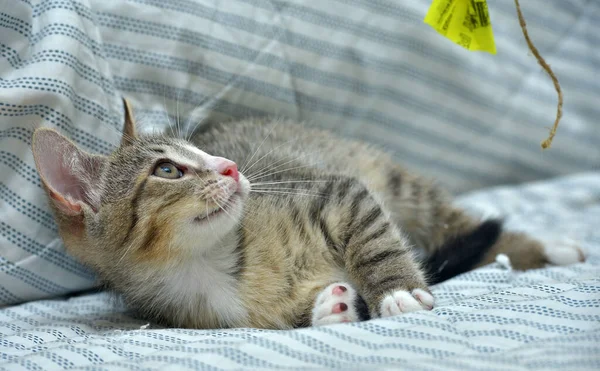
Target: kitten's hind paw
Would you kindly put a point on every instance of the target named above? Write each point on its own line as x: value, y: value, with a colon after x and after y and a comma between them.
x: 563, y: 253
x: 402, y: 301
x: 335, y: 304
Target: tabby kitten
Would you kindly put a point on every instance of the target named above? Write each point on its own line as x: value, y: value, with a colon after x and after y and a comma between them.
x: 313, y: 230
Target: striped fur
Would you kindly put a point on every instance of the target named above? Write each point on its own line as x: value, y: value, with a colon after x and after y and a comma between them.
x: 311, y: 209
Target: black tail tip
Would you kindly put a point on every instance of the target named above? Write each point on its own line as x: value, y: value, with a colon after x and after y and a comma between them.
x: 463, y: 252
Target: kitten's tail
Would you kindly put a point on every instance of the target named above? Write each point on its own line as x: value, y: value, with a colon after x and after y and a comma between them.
x: 462, y: 253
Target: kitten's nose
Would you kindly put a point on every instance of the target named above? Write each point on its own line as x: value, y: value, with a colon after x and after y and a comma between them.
x: 227, y: 167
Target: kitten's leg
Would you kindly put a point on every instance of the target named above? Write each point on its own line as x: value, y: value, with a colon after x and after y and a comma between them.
x: 338, y: 303
x: 528, y: 253
x: 376, y: 256
x: 381, y: 261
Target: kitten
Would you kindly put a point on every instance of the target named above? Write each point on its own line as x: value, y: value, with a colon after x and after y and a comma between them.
x: 313, y: 230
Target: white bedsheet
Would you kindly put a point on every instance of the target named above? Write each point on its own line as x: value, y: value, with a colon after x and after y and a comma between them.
x: 488, y: 319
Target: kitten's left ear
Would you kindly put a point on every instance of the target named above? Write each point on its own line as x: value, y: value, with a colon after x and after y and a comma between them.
x: 71, y: 177
x: 129, y: 133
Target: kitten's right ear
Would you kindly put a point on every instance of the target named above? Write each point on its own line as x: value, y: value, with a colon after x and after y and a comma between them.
x: 70, y: 176
x: 129, y: 133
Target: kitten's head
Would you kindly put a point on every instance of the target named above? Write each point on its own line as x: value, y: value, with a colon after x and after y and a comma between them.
x: 154, y: 199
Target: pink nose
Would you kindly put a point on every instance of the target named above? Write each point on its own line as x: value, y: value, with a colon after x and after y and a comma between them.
x: 229, y: 168
x: 232, y: 171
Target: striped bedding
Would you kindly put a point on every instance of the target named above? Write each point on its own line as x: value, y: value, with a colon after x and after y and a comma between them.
x: 367, y: 69
x: 488, y: 319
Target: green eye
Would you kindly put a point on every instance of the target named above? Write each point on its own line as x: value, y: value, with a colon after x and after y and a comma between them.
x: 167, y: 170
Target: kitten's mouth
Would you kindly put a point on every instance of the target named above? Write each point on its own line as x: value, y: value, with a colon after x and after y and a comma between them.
x: 219, y: 210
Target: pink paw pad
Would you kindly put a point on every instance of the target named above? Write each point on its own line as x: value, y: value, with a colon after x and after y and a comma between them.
x: 335, y: 304
x: 339, y: 290
x: 339, y: 308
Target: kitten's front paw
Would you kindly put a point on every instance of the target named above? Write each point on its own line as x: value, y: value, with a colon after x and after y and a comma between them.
x: 335, y: 304
x: 402, y: 301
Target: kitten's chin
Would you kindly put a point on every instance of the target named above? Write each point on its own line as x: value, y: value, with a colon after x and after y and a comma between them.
x: 211, y: 227
x: 231, y: 204
x: 208, y: 229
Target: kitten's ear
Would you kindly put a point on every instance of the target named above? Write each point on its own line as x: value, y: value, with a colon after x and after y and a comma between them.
x: 129, y: 133
x: 70, y: 176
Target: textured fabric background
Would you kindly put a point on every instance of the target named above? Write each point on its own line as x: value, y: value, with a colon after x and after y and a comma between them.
x: 488, y: 319
x: 369, y: 69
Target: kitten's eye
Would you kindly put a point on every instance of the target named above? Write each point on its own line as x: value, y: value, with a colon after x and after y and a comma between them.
x: 167, y: 170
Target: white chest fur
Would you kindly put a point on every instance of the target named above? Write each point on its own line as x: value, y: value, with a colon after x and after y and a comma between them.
x: 202, y: 287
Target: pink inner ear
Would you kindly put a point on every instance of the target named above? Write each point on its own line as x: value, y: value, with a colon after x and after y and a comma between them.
x: 64, y: 169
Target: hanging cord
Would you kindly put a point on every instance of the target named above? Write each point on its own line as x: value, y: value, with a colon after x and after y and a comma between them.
x: 546, y: 67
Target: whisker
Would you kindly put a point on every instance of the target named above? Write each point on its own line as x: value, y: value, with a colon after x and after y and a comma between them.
x: 284, y: 186
x: 254, y: 176
x: 263, y: 141
x: 222, y: 208
x: 268, y: 153
x: 229, y: 215
x: 209, y: 222
x: 288, y: 193
x: 190, y: 133
x: 277, y: 172
x: 211, y: 104
x: 177, y: 115
x: 199, y: 177
x: 268, y: 167
x: 287, y: 189
x: 289, y: 181
x: 279, y: 164
x: 125, y: 253
x: 166, y: 109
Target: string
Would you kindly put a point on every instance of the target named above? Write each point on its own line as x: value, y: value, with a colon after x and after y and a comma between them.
x: 546, y: 143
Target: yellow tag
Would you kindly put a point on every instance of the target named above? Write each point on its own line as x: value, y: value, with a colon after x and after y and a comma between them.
x: 466, y: 22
